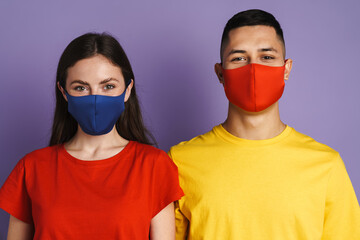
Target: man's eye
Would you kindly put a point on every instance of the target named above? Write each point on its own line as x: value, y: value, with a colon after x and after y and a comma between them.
x: 109, y: 86
x: 238, y: 59
x: 79, y: 88
x: 268, y: 57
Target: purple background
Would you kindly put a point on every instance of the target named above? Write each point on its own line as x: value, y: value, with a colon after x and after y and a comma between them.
x: 173, y: 46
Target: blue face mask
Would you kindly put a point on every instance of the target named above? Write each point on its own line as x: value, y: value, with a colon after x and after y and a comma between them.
x: 96, y: 114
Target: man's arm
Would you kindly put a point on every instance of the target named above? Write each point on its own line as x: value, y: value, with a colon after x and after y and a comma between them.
x: 181, y: 223
x: 342, y: 211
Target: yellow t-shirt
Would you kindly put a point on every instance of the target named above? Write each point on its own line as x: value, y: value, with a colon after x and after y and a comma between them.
x: 289, y: 187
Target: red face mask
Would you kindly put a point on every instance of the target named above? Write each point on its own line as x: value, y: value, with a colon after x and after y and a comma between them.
x: 254, y: 87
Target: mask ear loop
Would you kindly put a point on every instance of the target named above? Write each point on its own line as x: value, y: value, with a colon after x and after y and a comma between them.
x: 63, y: 87
x: 127, y: 82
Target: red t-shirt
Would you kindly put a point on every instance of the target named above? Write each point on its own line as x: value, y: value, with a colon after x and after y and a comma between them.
x: 68, y: 198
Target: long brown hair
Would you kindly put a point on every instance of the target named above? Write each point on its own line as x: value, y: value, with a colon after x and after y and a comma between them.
x: 130, y: 124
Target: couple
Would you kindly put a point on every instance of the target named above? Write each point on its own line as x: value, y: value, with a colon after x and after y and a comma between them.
x: 251, y: 177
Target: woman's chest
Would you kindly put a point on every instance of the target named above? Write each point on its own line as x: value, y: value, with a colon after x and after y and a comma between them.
x: 89, y: 199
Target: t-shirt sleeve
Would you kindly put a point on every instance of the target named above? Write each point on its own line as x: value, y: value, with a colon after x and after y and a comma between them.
x: 342, y: 212
x: 14, y: 197
x: 181, y: 222
x: 166, y: 188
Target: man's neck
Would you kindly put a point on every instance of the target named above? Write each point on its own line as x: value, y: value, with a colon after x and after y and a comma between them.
x: 254, y: 126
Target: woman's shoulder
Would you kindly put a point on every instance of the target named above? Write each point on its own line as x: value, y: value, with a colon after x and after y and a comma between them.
x: 42, y: 153
x: 157, y: 158
x: 45, y: 150
x: 146, y: 148
x: 146, y: 151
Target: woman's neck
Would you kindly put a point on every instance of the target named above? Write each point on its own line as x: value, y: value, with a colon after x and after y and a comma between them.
x: 88, y: 147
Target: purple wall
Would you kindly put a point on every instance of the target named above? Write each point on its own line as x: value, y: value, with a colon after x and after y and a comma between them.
x: 173, y: 46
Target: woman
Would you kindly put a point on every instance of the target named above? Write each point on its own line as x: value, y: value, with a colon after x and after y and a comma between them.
x: 99, y: 178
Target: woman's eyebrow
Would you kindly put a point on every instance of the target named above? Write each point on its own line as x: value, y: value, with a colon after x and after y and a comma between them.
x: 108, y: 80
x: 79, y: 81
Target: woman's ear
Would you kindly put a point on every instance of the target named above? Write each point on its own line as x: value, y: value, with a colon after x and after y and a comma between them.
x: 218, y: 71
x: 288, y: 66
x: 128, y: 90
x: 61, y: 90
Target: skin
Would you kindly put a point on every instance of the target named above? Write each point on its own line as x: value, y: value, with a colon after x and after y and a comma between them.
x: 253, y: 44
x: 98, y: 76
x: 19, y: 230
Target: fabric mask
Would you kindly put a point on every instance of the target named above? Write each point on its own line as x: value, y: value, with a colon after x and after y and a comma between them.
x: 254, y: 87
x: 96, y: 114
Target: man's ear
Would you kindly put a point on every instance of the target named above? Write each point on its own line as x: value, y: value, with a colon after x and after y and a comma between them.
x: 288, y: 66
x: 218, y: 71
x: 61, y: 90
x: 128, y: 90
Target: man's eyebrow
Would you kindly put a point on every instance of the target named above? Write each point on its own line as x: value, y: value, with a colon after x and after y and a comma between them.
x: 79, y: 81
x: 108, y: 80
x: 270, y: 49
x: 233, y: 51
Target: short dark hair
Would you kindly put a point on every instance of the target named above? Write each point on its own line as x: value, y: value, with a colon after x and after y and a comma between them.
x: 250, y: 17
x: 130, y: 123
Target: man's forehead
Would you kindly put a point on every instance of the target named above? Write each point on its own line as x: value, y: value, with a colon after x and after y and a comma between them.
x: 252, y: 33
x: 260, y: 36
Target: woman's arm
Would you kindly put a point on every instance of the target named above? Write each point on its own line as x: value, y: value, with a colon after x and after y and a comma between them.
x: 163, y: 224
x: 19, y: 230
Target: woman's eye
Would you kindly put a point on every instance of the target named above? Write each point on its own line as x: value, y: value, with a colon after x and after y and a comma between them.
x: 79, y: 88
x: 109, y: 86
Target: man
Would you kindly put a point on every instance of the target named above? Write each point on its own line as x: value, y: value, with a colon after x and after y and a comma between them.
x: 253, y: 177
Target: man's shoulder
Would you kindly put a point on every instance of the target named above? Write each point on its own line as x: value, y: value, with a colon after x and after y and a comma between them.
x: 198, y: 142
x: 306, y: 142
